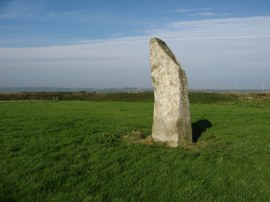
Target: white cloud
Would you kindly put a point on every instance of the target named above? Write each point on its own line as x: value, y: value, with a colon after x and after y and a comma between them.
x: 188, y: 10
x: 181, y: 10
x: 215, y: 53
x: 202, y: 14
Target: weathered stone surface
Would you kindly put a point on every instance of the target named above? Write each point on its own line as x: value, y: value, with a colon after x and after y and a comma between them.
x: 171, y: 121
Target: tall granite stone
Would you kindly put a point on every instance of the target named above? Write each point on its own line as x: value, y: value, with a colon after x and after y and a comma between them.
x: 171, y: 121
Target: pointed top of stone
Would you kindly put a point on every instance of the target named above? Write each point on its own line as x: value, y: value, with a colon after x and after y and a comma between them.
x: 161, y: 44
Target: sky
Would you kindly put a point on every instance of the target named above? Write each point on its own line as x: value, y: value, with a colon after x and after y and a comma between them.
x: 105, y: 44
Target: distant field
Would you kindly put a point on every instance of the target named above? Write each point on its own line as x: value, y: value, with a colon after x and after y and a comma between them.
x: 194, y: 97
x: 99, y: 151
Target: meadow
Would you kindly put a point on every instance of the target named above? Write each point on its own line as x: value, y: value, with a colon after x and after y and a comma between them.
x: 101, y: 151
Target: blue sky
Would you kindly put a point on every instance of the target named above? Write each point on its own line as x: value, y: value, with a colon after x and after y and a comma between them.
x: 98, y: 43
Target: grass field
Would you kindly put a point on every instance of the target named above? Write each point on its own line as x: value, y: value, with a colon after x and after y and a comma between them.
x: 95, y: 151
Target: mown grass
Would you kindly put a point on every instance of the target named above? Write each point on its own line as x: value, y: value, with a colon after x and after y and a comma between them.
x: 76, y: 151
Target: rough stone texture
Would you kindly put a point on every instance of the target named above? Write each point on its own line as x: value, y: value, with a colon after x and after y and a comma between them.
x: 171, y: 121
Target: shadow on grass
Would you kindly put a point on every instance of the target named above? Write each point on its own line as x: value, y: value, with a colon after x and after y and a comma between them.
x: 198, y: 128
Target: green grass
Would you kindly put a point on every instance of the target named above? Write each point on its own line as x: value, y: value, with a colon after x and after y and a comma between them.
x: 75, y: 151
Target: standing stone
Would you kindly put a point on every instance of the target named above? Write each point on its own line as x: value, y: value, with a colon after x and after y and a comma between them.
x: 171, y: 122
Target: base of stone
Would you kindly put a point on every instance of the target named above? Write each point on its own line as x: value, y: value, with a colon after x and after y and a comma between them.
x: 169, y: 143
